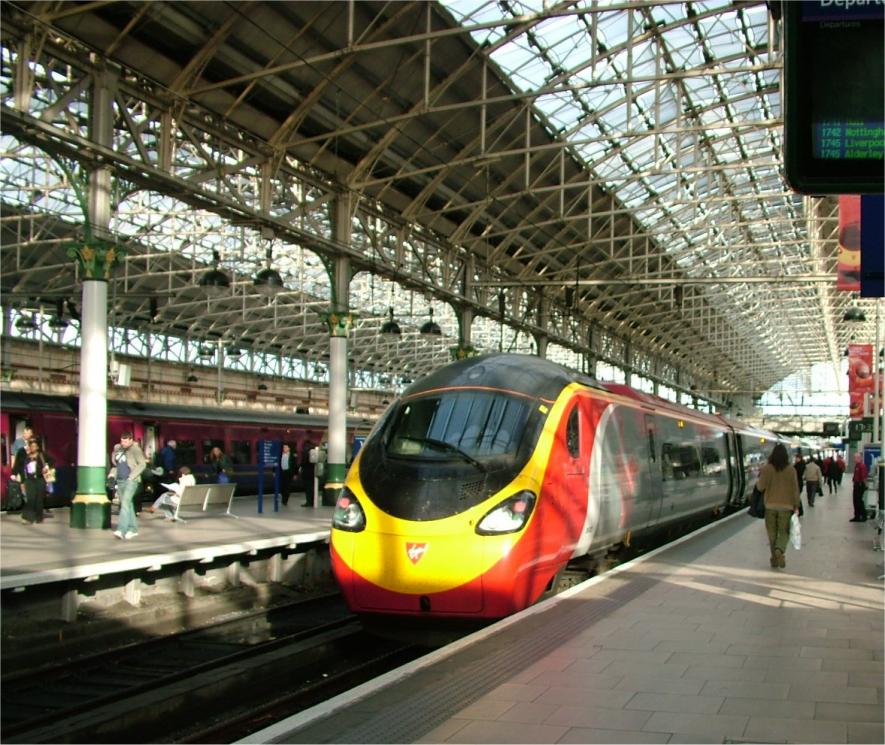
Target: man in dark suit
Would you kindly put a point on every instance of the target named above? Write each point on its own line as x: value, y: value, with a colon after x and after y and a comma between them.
x: 288, y: 468
x: 307, y: 471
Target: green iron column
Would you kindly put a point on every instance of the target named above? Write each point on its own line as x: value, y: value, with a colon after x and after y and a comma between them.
x: 340, y: 322
x: 91, y: 508
x: 97, y: 256
x: 339, y: 325
x: 465, y: 346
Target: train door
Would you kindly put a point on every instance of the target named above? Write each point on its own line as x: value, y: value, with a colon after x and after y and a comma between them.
x: 566, y: 487
x: 735, y: 468
x: 575, y: 465
x: 652, y: 485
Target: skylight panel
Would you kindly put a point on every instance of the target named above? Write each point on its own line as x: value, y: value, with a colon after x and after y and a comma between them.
x: 522, y: 65
x: 641, y: 152
x: 560, y: 108
x: 590, y: 151
x: 722, y: 33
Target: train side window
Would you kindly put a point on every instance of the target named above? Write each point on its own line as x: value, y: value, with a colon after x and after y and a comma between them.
x: 241, y: 451
x: 207, y: 448
x: 573, y: 433
x: 186, y: 453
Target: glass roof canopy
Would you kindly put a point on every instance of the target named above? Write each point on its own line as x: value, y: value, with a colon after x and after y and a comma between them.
x: 671, y: 108
x: 677, y: 150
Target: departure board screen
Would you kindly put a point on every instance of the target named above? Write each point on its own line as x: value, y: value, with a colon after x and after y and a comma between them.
x: 834, y: 118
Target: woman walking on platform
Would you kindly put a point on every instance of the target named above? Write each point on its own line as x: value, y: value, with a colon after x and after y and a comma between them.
x: 30, y: 469
x: 780, y: 483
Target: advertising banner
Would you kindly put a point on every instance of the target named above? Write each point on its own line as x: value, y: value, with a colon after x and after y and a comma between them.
x: 860, y: 376
x: 848, y: 258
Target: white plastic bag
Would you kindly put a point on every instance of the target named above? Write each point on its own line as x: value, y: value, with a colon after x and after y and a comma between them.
x: 795, y: 532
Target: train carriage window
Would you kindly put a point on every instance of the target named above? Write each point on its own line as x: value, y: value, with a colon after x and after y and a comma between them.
x: 680, y: 459
x: 186, y: 453
x: 207, y: 448
x: 241, y: 451
x: 573, y: 433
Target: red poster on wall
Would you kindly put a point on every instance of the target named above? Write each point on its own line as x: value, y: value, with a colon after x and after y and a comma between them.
x: 855, y: 404
x: 848, y: 261
x: 860, y: 376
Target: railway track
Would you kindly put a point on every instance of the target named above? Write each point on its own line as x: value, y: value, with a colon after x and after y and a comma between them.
x: 210, y: 682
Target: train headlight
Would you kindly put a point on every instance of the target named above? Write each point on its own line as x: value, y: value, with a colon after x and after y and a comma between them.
x: 509, y: 516
x: 348, y: 514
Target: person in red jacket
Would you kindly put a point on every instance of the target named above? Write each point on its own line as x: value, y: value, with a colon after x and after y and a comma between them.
x: 860, y: 486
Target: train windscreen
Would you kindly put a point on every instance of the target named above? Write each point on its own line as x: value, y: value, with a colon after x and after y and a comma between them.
x: 474, y: 424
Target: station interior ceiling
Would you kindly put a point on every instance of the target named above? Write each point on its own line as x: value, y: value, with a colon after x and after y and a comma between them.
x: 607, y: 177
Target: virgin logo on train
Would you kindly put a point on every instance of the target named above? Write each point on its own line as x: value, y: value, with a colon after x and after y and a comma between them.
x: 415, y: 551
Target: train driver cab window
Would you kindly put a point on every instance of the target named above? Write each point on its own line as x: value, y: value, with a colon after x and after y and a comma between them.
x: 475, y: 423
x: 573, y: 433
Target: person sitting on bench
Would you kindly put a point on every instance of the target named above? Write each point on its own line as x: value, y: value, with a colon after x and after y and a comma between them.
x: 169, y: 499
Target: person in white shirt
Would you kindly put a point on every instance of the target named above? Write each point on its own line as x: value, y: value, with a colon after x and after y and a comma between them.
x: 169, y: 499
x: 288, y: 469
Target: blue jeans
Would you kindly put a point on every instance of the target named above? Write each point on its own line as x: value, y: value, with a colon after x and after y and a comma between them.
x: 127, y: 522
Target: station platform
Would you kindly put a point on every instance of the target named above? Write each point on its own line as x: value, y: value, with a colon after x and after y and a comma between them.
x: 697, y: 642
x: 54, y: 558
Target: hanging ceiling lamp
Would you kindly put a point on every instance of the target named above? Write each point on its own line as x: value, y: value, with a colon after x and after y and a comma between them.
x: 233, y: 352
x: 390, y: 327
x: 215, y: 281
x: 26, y: 323
x: 431, y: 327
x: 57, y: 322
x: 268, y: 281
x: 854, y: 315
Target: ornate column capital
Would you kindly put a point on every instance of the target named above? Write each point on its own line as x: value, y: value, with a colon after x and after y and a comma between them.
x: 97, y: 257
x: 463, y: 351
x: 339, y: 323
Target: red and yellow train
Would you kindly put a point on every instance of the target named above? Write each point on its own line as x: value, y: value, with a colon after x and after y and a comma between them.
x: 485, y: 479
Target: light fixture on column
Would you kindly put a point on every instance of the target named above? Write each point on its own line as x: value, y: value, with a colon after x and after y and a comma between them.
x: 215, y: 281
x: 390, y: 327
x: 268, y: 281
x: 431, y: 327
x: 854, y: 315
x: 57, y: 322
x: 25, y: 324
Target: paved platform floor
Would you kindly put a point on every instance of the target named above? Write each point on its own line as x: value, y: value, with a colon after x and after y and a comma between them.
x: 699, y: 642
x: 52, y: 550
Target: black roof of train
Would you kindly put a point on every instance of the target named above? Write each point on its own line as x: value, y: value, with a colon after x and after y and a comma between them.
x: 522, y: 373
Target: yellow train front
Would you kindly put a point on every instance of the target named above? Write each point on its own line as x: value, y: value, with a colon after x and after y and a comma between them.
x: 442, y: 512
